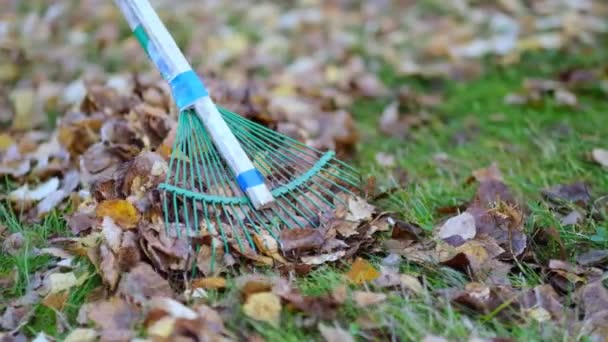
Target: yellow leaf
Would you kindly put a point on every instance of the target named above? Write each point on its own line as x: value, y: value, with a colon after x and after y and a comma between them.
x: 8, y: 72
x: 55, y: 300
x: 23, y: 102
x: 122, y: 211
x: 162, y: 328
x: 268, y: 246
x: 62, y: 281
x: 81, y: 335
x: 263, y: 306
x: 209, y: 283
x: 362, y: 272
x: 6, y: 141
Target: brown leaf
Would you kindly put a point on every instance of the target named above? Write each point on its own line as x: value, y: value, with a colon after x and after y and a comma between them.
x: 362, y: 272
x: 55, y: 300
x: 481, y: 297
x: 263, y: 306
x: 249, y: 284
x: 13, y: 243
x: 403, y: 230
x: 389, y: 278
x: 576, y: 192
x: 114, y: 314
x: 593, y: 258
x: 121, y: 211
x: 209, y: 283
x: 594, y: 298
x: 365, y: 299
x: 334, y: 334
x: 142, y: 283
x: 146, y: 171
x: 322, y: 306
x: 359, y: 209
x: 301, y: 239
x: 128, y: 253
x: 109, y: 267
x: 491, y: 173
x: 504, y: 223
x: 208, y: 262
x: 541, y: 303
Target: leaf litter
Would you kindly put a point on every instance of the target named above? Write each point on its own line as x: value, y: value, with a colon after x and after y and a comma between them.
x: 109, y: 147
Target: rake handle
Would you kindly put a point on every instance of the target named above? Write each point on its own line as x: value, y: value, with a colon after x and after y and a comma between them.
x: 189, y: 92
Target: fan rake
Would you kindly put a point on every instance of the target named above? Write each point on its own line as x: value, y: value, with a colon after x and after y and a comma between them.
x: 200, y: 193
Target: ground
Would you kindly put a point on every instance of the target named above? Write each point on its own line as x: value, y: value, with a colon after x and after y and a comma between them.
x: 535, y: 146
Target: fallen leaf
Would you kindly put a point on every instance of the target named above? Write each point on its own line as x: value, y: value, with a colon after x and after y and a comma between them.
x: 593, y: 258
x: 461, y: 227
x: 81, y: 335
x: 263, y: 306
x: 321, y: 306
x: 27, y: 116
x: 172, y: 307
x: 142, y: 283
x: 542, y: 302
x: 359, y: 209
x: 491, y: 173
x: 112, y: 233
x: 209, y: 283
x: 334, y: 334
x: 114, y: 315
x: 58, y: 282
x: 24, y: 194
x: 13, y: 243
x: 577, y: 192
x: 600, y: 156
x: 55, y: 300
x: 364, y: 298
x: 121, y: 211
x: 362, y: 272
x: 110, y: 270
x: 323, y: 258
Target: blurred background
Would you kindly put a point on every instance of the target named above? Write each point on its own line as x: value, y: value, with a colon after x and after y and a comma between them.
x: 300, y: 65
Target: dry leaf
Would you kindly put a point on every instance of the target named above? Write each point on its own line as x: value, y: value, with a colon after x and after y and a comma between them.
x: 121, y: 211
x: 24, y: 194
x: 323, y: 258
x: 58, y: 282
x: 359, y: 210
x: 142, y: 283
x: 81, y: 335
x: 491, y: 173
x: 362, y: 272
x: 364, y: 298
x: 263, y: 306
x: 335, y: 334
x: 113, y: 314
x: 600, y: 156
x: 209, y: 283
x: 461, y: 227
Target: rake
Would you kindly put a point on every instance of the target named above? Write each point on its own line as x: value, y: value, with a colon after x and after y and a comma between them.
x: 230, y: 177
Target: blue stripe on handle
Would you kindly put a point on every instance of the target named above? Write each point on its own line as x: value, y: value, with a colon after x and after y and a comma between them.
x: 187, y: 88
x: 249, y: 178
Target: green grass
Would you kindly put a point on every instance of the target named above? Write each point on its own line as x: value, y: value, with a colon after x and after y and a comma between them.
x: 531, y: 155
x: 528, y: 148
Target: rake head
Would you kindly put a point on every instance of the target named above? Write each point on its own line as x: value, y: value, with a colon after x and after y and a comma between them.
x: 200, y: 194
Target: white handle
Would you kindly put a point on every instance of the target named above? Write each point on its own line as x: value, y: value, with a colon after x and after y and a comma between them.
x: 189, y: 91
